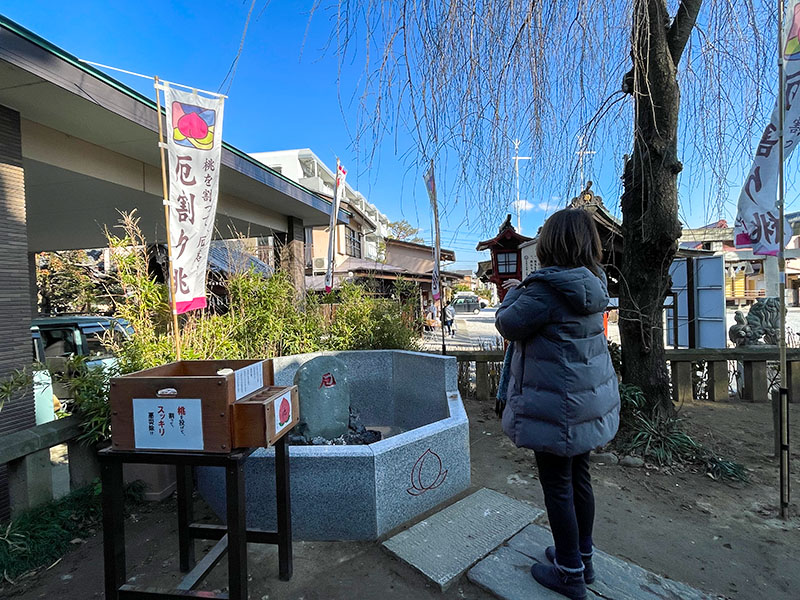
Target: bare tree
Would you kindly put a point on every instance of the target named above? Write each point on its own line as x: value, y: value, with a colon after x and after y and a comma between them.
x: 465, y: 78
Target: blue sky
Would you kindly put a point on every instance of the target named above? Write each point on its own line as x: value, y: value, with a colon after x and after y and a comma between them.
x: 284, y: 95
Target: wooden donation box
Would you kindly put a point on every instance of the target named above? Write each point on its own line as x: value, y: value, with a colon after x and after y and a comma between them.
x: 201, y: 405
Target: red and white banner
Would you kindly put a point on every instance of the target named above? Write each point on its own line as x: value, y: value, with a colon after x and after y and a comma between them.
x: 430, y: 185
x: 758, y: 214
x: 194, y: 145
x: 338, y: 194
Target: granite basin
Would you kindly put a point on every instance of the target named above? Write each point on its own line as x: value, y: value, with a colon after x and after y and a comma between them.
x: 363, y: 492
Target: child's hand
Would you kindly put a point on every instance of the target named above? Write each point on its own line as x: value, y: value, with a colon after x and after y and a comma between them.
x: 511, y: 283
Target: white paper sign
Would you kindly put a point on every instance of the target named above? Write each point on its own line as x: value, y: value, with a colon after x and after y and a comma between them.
x: 283, y: 411
x: 168, y: 423
x: 249, y: 379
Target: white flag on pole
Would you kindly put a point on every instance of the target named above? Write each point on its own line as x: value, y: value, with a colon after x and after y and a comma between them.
x: 194, y: 145
x: 757, y: 217
x: 430, y: 184
x: 338, y: 194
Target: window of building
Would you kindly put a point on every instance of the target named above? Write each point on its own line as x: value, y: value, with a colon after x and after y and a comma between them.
x: 507, y: 262
x: 308, y: 247
x: 352, y: 241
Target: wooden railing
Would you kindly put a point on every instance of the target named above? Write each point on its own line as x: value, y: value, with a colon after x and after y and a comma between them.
x: 753, y: 359
x: 747, y: 295
x: 481, y: 358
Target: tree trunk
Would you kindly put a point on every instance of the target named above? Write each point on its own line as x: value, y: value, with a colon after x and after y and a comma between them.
x: 649, y: 201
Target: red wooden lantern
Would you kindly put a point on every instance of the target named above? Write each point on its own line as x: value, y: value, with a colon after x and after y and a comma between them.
x: 506, y: 259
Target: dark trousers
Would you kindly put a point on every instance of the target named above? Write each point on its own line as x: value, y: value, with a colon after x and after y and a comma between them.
x: 569, y: 499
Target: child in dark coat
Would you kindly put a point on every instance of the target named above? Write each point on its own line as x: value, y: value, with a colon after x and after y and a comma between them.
x: 562, y: 398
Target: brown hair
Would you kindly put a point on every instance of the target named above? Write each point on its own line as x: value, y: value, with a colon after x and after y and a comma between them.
x: 569, y: 239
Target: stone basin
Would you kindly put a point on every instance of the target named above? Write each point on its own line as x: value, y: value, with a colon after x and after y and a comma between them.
x: 363, y: 492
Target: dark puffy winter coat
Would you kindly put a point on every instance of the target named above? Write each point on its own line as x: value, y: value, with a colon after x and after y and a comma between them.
x: 562, y: 390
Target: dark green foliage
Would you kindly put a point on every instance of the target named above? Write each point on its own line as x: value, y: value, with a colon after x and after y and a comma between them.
x: 14, y: 384
x: 663, y: 440
x: 89, y: 387
x: 264, y: 317
x: 40, y: 536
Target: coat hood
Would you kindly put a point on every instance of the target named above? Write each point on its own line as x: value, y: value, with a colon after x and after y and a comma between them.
x: 584, y: 291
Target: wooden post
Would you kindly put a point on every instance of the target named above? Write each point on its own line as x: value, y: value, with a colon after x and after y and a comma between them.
x: 717, y: 380
x: 482, y: 380
x: 172, y: 287
x: 755, y: 381
x: 682, y: 387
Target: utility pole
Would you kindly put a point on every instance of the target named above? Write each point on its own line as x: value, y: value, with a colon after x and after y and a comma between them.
x: 581, y: 153
x: 518, y: 158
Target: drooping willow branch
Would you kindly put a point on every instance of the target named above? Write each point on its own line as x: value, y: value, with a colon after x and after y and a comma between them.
x: 457, y: 81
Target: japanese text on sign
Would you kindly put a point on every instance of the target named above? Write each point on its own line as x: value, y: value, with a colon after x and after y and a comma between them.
x: 249, y: 379
x: 168, y: 423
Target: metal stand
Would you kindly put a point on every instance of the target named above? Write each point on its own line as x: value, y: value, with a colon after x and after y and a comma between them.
x: 232, y: 538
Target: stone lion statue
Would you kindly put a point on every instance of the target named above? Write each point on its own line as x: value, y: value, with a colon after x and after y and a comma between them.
x: 762, y: 321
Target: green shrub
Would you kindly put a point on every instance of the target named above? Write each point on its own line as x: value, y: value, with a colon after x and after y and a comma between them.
x: 41, y: 535
x: 662, y: 439
x: 89, y: 387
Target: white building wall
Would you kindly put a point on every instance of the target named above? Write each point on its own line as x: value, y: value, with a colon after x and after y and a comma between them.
x: 306, y: 168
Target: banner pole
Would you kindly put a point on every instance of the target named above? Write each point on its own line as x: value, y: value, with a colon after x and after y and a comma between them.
x: 783, y: 410
x: 438, y: 242
x: 171, y: 278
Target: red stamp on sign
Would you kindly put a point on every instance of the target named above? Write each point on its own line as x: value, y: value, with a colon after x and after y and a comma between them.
x: 327, y: 380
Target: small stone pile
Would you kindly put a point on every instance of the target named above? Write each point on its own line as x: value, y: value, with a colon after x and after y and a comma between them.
x: 357, y: 435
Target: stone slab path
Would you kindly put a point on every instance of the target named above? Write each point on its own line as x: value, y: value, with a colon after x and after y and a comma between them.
x: 449, y: 542
x: 506, y: 574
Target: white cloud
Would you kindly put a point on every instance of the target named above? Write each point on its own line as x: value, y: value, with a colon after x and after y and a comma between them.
x: 523, y: 205
x: 545, y: 206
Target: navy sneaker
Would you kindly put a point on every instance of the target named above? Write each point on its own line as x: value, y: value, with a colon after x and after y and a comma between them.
x: 568, y: 583
x: 588, y: 568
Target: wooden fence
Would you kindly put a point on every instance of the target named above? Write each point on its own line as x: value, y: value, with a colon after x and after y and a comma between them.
x: 753, y: 360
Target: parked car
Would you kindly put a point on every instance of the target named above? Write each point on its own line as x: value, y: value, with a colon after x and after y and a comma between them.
x: 467, y: 304
x: 473, y: 296
x: 55, y: 341
x: 61, y: 337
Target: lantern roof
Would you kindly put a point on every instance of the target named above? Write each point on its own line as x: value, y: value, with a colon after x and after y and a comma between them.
x: 507, y: 237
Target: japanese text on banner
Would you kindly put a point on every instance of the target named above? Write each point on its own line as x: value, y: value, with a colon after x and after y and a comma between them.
x: 194, y: 145
x: 757, y: 216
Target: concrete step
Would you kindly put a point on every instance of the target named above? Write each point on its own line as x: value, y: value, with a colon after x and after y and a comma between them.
x: 449, y: 542
x: 506, y: 574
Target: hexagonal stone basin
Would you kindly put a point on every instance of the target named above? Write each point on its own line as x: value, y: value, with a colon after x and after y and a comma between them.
x: 362, y: 492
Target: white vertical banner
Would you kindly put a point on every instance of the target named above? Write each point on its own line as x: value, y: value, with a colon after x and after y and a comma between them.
x: 757, y: 217
x: 338, y: 194
x: 194, y: 146
x: 430, y: 184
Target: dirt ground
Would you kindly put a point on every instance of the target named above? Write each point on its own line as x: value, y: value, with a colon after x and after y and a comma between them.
x: 724, y: 539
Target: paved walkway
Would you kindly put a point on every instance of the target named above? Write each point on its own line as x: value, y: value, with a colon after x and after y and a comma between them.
x: 473, y: 332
